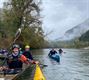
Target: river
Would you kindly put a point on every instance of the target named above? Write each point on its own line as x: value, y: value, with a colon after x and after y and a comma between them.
x: 74, y: 64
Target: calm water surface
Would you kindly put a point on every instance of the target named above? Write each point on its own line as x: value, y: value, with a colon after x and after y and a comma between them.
x: 74, y: 64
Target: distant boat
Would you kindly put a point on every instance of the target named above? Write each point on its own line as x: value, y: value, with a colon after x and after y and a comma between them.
x: 55, y: 57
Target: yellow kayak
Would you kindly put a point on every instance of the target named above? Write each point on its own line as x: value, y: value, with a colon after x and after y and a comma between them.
x: 38, y: 74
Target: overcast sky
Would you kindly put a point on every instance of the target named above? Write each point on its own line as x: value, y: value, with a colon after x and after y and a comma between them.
x: 61, y: 15
x: 1, y: 3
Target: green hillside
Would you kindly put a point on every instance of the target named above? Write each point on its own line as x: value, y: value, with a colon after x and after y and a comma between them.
x: 85, y: 37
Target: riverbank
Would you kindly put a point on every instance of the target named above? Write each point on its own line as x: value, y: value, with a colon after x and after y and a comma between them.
x: 86, y: 47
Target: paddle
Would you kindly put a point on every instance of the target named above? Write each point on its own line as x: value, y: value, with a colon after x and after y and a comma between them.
x: 43, y: 65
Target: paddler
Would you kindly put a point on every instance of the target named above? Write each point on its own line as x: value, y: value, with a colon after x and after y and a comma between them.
x: 52, y: 52
x: 27, y: 52
x: 60, y: 51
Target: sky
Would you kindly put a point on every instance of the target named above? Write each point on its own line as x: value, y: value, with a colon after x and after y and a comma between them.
x: 1, y: 3
x: 62, y: 15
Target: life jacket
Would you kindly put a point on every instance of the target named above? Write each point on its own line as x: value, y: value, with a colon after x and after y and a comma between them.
x: 23, y: 58
x: 19, y: 57
x: 28, y: 55
x: 13, y: 58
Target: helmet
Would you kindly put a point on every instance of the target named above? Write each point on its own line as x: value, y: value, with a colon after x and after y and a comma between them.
x: 27, y: 46
x: 15, y: 46
x: 4, y: 50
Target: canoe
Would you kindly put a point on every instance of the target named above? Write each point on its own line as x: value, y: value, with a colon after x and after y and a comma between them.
x: 32, y: 72
x: 27, y: 72
x: 55, y: 57
x: 38, y: 74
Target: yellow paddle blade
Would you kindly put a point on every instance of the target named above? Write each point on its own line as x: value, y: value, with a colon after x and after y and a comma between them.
x: 38, y: 74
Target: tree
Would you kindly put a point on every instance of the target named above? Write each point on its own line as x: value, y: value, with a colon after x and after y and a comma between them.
x: 24, y: 14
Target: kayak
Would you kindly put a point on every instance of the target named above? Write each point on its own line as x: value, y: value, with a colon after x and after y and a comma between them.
x: 55, y: 57
x: 38, y: 74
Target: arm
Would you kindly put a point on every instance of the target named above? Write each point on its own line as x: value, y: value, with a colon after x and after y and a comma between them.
x: 30, y: 56
x: 26, y: 60
x: 32, y: 60
x: 49, y: 53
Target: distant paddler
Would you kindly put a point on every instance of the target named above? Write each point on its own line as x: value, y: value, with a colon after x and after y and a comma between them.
x: 54, y: 55
x: 61, y: 51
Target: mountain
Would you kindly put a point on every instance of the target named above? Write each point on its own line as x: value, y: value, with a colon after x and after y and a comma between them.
x: 85, y: 37
x: 76, y: 31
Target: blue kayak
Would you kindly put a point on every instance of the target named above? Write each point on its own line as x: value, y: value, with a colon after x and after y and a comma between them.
x: 55, y: 57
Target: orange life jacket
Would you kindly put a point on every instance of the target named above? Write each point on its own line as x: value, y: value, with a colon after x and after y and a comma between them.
x: 23, y: 59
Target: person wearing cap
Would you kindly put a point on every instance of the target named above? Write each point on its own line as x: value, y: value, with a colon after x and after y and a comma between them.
x: 27, y: 52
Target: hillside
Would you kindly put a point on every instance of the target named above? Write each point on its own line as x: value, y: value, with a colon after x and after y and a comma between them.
x: 85, y: 36
x: 76, y: 31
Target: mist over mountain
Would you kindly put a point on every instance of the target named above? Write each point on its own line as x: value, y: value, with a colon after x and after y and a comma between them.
x: 76, y: 31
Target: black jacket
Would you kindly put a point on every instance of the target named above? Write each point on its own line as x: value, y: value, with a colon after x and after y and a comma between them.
x: 28, y: 55
x: 52, y: 52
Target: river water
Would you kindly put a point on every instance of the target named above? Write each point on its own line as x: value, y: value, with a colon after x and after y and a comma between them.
x: 74, y: 64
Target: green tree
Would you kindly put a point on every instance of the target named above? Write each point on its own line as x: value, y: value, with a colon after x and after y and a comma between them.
x: 24, y: 14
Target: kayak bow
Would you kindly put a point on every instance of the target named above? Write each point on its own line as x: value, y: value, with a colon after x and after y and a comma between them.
x: 38, y: 73
x: 55, y: 57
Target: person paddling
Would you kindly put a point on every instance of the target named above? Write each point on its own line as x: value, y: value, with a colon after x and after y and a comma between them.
x: 60, y: 51
x: 52, y: 52
x: 27, y: 53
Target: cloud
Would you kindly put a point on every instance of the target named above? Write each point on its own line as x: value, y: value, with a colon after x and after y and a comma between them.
x: 1, y: 3
x: 61, y: 15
